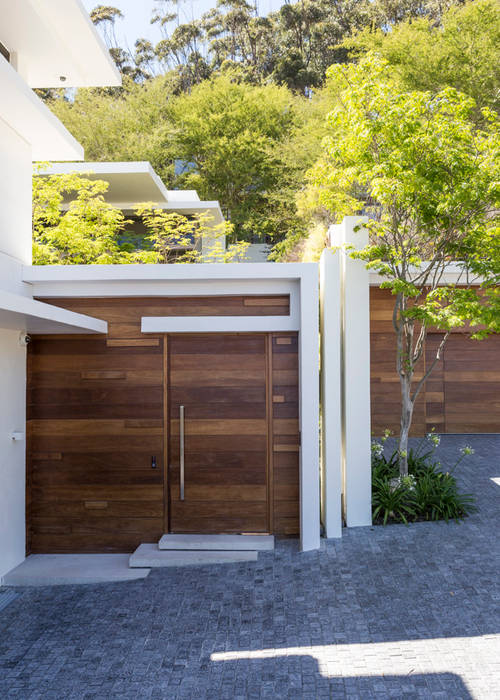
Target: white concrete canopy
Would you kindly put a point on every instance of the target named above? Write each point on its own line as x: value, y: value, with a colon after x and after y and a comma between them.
x: 22, y: 313
x: 54, y: 39
x: 134, y: 181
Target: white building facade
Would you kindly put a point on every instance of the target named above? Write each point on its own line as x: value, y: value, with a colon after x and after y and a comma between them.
x: 35, y: 53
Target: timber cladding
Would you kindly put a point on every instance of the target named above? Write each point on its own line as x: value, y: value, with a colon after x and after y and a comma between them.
x: 462, y: 395
x: 98, y: 424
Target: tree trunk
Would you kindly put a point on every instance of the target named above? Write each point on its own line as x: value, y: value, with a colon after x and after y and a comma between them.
x: 406, y: 417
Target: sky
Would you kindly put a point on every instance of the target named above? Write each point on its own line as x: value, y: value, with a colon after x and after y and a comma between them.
x: 137, y: 15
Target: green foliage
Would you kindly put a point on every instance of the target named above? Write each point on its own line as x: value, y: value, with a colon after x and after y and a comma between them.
x: 177, y: 238
x: 233, y: 134
x: 86, y: 233
x: 292, y: 46
x: 427, y: 493
x: 429, y: 178
x: 463, y: 52
x: 130, y: 125
x: 195, y: 98
x: 436, y: 497
x: 88, y: 230
x: 391, y: 502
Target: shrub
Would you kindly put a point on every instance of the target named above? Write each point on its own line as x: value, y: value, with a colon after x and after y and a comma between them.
x: 427, y: 493
x: 392, y: 501
x: 437, y: 497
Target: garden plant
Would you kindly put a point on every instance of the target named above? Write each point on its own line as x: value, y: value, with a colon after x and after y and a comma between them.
x: 428, y: 492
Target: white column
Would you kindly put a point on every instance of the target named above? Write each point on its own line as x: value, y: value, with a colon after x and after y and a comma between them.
x: 331, y: 437
x: 356, y: 426
x: 12, y: 452
x: 309, y: 409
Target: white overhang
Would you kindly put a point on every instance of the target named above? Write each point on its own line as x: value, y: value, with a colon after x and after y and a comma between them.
x: 135, y: 182
x: 29, y: 117
x: 22, y: 313
x: 129, y: 182
x: 54, y: 39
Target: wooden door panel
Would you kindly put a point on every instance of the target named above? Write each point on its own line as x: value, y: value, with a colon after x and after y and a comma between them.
x: 221, y: 380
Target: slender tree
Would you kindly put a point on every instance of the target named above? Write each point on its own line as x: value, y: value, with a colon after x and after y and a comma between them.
x: 428, y: 178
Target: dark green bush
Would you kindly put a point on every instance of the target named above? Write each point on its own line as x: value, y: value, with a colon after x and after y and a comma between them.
x: 436, y: 497
x: 427, y: 493
x: 391, y: 502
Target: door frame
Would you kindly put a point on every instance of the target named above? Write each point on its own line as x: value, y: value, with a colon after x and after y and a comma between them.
x: 300, y: 280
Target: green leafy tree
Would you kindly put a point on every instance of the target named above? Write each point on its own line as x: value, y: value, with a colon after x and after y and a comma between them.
x: 463, y: 51
x: 176, y: 238
x: 429, y: 179
x: 131, y: 125
x: 86, y: 233
x: 232, y: 134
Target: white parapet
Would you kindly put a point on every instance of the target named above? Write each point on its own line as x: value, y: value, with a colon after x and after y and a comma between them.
x: 355, y: 379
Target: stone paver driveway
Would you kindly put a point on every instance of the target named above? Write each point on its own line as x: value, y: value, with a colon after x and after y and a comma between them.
x: 395, y: 612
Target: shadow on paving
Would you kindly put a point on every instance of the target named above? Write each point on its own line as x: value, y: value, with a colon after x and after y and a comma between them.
x: 155, y: 637
x: 283, y: 678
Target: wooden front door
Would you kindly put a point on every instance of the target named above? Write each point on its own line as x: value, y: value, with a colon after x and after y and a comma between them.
x: 222, y: 382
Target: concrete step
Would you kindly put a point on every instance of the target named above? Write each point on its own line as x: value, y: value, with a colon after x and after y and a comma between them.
x: 235, y: 543
x: 69, y: 569
x: 148, y: 555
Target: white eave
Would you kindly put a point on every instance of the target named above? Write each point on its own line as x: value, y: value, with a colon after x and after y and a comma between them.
x: 29, y: 117
x: 129, y: 182
x: 25, y: 314
x: 54, y: 39
x: 135, y: 182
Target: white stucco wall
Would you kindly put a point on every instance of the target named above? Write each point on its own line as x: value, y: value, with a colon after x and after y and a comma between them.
x: 12, y: 453
x: 15, y: 195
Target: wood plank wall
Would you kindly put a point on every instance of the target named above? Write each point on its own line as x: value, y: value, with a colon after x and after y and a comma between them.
x: 285, y: 431
x: 95, y: 418
x: 461, y: 396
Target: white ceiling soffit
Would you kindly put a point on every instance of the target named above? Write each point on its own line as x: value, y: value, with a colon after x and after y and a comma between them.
x: 26, y: 114
x: 132, y: 182
x: 54, y: 39
x: 25, y: 314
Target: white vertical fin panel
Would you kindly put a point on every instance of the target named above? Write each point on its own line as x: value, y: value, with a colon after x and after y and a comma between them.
x: 331, y: 437
x: 355, y: 350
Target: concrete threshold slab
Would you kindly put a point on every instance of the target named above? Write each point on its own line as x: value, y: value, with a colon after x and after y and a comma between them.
x: 237, y: 543
x: 149, y: 555
x: 65, y: 569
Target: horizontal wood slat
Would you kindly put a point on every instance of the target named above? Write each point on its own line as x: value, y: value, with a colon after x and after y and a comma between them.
x: 461, y: 395
x: 96, y: 420
x: 132, y: 342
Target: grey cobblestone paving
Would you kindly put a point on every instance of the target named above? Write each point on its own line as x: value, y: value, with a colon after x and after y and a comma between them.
x: 396, y: 612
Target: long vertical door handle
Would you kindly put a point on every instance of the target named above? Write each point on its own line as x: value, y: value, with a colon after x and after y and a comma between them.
x: 181, y: 451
